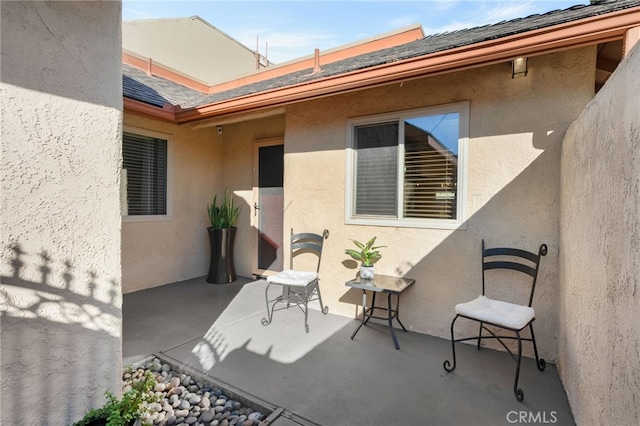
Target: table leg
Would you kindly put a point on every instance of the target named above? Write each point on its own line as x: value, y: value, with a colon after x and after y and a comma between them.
x: 398, y: 312
x: 364, y: 312
x: 390, y: 317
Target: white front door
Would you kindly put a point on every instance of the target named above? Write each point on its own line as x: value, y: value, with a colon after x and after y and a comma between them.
x: 268, y: 207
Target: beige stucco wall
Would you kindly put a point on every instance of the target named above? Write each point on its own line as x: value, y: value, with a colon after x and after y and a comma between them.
x: 516, y: 129
x: 191, y: 46
x: 60, y: 297
x: 204, y: 163
x: 163, y: 251
x: 237, y: 171
x: 600, y: 259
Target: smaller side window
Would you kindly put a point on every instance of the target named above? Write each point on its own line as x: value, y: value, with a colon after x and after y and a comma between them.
x: 145, y: 175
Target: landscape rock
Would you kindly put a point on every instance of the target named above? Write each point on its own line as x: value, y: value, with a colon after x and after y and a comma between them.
x: 182, y: 400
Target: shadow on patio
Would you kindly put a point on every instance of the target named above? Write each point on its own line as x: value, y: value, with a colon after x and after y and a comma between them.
x: 324, y: 376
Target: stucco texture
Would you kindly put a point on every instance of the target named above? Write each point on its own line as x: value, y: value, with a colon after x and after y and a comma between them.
x: 237, y: 172
x: 599, y: 344
x: 516, y: 129
x: 163, y: 251
x: 60, y: 168
x: 204, y: 163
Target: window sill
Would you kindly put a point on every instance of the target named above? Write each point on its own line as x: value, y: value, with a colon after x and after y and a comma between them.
x: 149, y: 218
x: 407, y: 223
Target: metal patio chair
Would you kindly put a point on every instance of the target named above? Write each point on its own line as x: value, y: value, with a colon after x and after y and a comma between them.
x: 298, y: 287
x: 504, y: 315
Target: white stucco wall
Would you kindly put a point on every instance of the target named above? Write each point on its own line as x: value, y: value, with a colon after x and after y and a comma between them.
x: 600, y: 258
x: 60, y: 300
x: 165, y: 251
x: 516, y: 129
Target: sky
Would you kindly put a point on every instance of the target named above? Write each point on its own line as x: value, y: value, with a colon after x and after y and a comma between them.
x: 285, y: 30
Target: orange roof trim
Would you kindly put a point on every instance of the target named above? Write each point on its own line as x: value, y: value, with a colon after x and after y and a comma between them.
x: 147, y: 65
x: 373, y: 44
x: 574, y: 34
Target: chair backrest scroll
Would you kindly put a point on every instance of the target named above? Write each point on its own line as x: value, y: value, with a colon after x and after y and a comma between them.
x: 513, y: 259
x: 307, y: 243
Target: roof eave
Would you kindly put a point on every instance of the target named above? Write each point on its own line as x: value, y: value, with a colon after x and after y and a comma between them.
x: 167, y: 112
x: 574, y: 34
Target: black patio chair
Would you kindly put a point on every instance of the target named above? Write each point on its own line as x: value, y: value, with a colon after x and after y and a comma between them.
x: 504, y: 315
x: 298, y: 287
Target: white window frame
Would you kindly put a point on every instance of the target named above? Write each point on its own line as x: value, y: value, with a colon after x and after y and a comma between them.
x: 169, y: 138
x: 462, y: 108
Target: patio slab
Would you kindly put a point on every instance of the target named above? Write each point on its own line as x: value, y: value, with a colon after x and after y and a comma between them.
x: 323, y: 376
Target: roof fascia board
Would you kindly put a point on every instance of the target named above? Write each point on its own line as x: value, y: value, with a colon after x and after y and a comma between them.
x: 136, y: 107
x: 396, y: 38
x: 153, y: 69
x: 570, y: 35
x: 574, y: 34
x: 631, y: 37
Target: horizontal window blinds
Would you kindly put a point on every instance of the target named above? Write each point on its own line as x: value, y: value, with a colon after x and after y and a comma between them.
x: 376, y: 148
x: 145, y: 160
x: 430, y: 184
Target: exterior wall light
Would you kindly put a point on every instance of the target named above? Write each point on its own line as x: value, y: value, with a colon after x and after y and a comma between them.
x: 519, y: 67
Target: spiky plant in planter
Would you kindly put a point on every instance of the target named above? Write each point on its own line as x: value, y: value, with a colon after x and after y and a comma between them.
x: 222, y: 233
x: 224, y: 215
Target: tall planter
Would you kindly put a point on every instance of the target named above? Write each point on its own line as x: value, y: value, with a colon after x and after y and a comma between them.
x: 221, y: 266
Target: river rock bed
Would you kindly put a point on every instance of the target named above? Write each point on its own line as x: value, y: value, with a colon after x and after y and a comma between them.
x: 183, y: 400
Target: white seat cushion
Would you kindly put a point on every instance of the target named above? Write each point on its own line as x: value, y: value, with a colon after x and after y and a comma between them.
x: 293, y: 278
x: 497, y: 312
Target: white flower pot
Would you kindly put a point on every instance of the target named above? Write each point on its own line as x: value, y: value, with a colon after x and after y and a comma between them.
x: 366, y: 272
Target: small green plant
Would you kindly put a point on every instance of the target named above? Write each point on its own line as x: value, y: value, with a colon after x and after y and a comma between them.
x: 223, y: 216
x: 367, y: 254
x: 122, y: 412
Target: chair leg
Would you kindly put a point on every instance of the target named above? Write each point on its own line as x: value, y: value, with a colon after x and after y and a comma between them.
x: 306, y: 313
x: 480, y: 335
x: 447, y: 365
x: 286, y: 294
x: 267, y: 320
x: 516, y: 389
x: 324, y: 309
x: 540, y: 363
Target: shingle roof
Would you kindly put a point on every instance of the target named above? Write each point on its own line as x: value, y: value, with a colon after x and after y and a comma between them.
x: 427, y: 45
x: 157, y: 91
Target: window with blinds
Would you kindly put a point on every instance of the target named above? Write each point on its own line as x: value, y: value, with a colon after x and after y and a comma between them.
x: 376, y: 169
x: 431, y: 175
x: 406, y: 169
x: 145, y: 164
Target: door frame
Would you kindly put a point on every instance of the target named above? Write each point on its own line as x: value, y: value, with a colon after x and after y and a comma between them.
x: 257, y: 144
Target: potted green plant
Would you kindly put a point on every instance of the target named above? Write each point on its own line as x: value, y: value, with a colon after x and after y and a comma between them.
x: 222, y: 232
x: 367, y: 254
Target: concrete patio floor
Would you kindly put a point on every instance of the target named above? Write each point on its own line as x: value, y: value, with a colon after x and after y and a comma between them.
x: 324, y: 377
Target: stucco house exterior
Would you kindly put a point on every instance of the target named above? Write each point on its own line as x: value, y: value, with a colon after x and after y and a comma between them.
x: 508, y: 169
x: 329, y: 142
x: 343, y: 128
